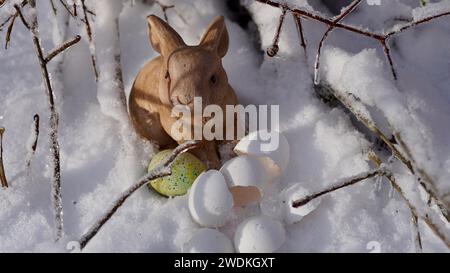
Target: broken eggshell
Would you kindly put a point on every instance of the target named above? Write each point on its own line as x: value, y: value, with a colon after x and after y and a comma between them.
x: 206, y: 240
x: 259, y: 234
x: 274, y: 153
x: 293, y: 193
x: 210, y: 201
x: 247, y: 179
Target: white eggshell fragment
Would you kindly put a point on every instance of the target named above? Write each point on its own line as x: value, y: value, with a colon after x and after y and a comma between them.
x: 208, y: 240
x: 276, y: 148
x: 246, y: 177
x: 259, y: 234
x: 210, y: 201
x: 293, y: 193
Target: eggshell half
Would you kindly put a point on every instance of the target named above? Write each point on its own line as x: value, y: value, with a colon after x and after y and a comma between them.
x: 246, y: 177
x: 259, y: 234
x: 206, y: 240
x: 276, y: 151
x: 210, y: 201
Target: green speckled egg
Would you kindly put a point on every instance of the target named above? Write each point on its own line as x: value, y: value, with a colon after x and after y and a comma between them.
x: 185, y: 170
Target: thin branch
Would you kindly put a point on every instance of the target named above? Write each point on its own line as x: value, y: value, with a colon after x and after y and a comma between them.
x: 55, y: 52
x: 299, y: 25
x: 3, y: 179
x: 331, y: 27
x: 372, y: 156
x: 164, y: 9
x: 339, y: 185
x: 67, y: 8
x: 164, y: 169
x: 24, y: 21
x: 273, y: 49
x: 87, y: 25
x: 9, y: 18
x: 52, y: 4
x: 33, y: 139
x: 10, y: 28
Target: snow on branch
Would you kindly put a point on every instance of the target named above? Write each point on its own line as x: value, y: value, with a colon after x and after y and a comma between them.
x: 3, y: 180
x: 163, y: 169
x: 335, y: 22
x: 33, y: 26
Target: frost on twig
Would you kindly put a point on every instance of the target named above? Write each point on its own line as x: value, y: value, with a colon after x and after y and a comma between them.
x: 54, y: 119
x: 432, y: 217
x: 88, y: 27
x: 3, y: 180
x: 33, y: 141
x: 382, y: 38
x: 164, y: 169
x: 341, y: 184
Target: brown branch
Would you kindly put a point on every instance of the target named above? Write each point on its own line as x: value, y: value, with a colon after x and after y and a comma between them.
x: 3, y: 179
x: 52, y: 4
x: 339, y: 185
x: 34, y: 139
x: 55, y: 52
x: 87, y: 25
x: 164, y: 9
x: 24, y: 21
x: 164, y: 169
x: 9, y: 18
x: 299, y: 25
x: 67, y: 8
x: 10, y: 28
x: 381, y: 38
x: 331, y: 27
x: 273, y: 49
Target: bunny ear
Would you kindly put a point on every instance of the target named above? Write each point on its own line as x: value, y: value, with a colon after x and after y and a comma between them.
x: 216, y: 36
x: 163, y: 37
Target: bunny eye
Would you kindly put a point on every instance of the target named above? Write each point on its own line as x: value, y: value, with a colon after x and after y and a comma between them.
x: 213, y: 79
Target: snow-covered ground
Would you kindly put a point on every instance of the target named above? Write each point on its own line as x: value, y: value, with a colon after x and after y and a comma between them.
x: 101, y: 155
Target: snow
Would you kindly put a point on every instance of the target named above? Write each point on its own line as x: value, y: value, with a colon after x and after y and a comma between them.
x: 102, y: 156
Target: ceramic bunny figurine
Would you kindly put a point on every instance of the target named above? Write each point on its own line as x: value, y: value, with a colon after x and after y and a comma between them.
x: 181, y: 73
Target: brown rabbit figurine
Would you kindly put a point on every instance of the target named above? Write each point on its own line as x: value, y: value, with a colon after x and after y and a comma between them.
x: 181, y: 73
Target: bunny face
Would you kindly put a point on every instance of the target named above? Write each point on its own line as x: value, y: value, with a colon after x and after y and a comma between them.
x: 191, y: 71
x: 194, y: 72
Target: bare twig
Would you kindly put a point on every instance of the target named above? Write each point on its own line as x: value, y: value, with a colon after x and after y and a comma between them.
x: 24, y: 21
x: 164, y: 9
x: 339, y: 185
x: 10, y: 28
x: 273, y: 49
x: 87, y: 25
x: 299, y: 25
x: 67, y: 8
x: 54, y: 121
x: 52, y: 4
x: 331, y: 27
x: 3, y: 179
x: 164, y: 169
x: 381, y: 38
x: 55, y: 52
x: 33, y: 139
x: 9, y: 18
